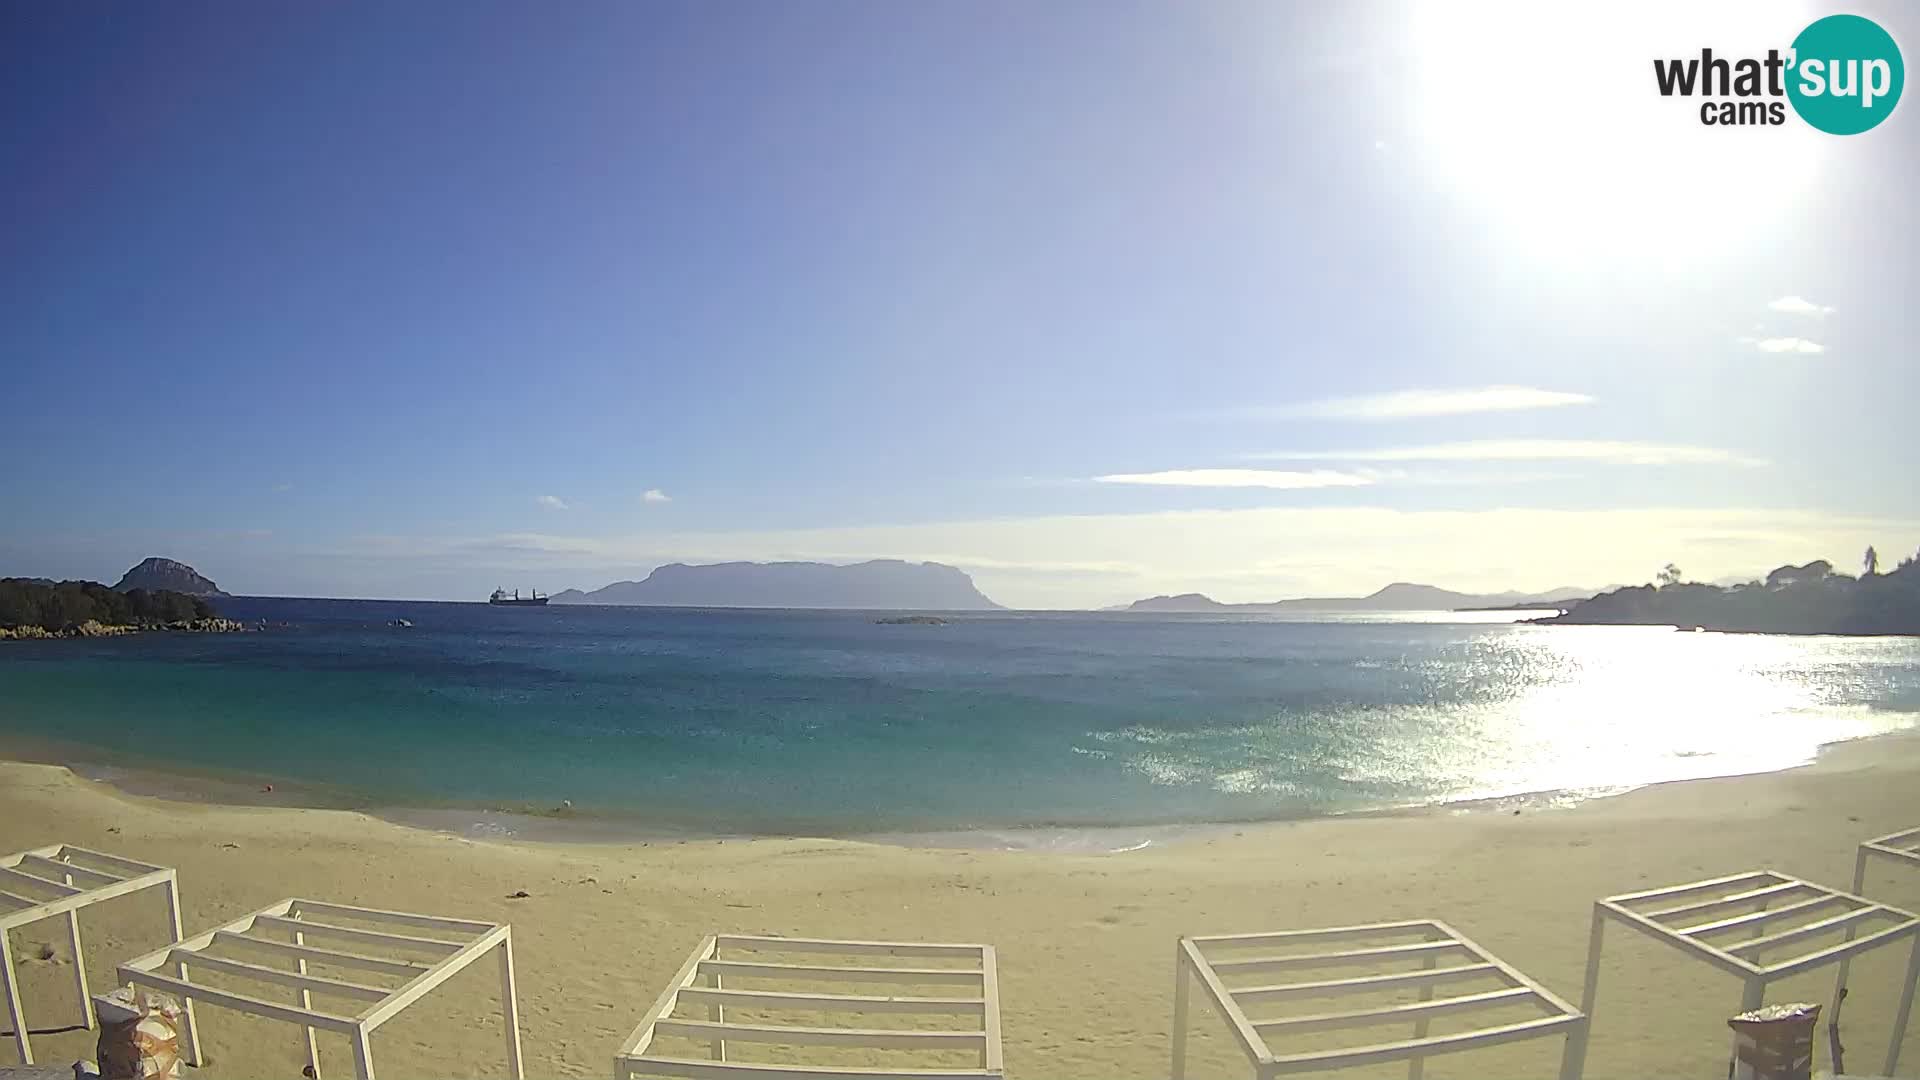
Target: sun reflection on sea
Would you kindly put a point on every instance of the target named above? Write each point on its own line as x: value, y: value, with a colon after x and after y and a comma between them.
x: 1629, y: 706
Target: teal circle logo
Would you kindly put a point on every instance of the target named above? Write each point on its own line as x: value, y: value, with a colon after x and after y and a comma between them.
x: 1847, y: 74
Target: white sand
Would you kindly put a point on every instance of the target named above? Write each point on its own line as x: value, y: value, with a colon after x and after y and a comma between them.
x: 1085, y: 941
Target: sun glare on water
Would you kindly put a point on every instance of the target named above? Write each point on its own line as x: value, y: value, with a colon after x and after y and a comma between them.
x: 1632, y: 706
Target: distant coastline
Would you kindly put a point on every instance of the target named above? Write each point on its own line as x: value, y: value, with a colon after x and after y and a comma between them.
x: 1809, y: 599
x: 1399, y: 596
x: 875, y: 585
x: 41, y: 609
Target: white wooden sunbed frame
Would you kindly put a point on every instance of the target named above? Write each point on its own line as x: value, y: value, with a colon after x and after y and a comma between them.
x: 1901, y: 847
x: 284, y: 929
x: 1206, y: 959
x: 1736, y: 911
x: 60, y: 880
x: 971, y: 992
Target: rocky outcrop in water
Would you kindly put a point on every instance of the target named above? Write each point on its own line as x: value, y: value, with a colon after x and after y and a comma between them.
x: 155, y: 574
x: 93, y: 628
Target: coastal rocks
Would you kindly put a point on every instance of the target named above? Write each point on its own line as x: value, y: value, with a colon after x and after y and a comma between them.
x: 93, y: 628
x: 215, y: 625
x: 912, y: 620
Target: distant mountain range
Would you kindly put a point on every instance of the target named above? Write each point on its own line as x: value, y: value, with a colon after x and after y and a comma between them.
x: 154, y: 573
x: 879, y: 585
x: 1399, y: 596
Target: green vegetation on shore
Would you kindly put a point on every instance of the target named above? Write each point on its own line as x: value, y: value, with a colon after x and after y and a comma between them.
x: 1810, y: 599
x: 30, y: 608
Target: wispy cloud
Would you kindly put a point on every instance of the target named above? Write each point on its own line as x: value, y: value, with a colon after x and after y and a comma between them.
x: 1595, y: 450
x: 282, y: 488
x: 655, y: 495
x: 551, y: 502
x: 1783, y: 345
x: 1799, y: 305
x: 1281, y: 479
x: 1412, y: 404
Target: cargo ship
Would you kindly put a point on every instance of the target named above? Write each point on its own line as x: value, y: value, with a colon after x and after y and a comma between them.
x: 516, y: 600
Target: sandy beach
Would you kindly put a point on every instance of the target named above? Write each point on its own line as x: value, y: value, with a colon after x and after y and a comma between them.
x: 1085, y: 940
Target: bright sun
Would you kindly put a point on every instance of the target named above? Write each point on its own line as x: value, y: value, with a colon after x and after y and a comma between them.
x: 1546, y: 118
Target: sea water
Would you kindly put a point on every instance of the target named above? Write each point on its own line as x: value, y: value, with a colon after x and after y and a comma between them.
x: 831, y: 722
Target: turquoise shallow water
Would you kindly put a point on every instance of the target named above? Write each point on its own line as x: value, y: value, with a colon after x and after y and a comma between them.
x: 782, y: 721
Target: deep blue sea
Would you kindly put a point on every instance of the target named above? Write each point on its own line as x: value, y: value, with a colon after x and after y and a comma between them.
x: 809, y: 721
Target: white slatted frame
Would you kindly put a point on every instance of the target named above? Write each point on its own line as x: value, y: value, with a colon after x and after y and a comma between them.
x: 1754, y: 975
x: 383, y: 1002
x: 636, y: 1054
x: 1441, y: 940
x: 76, y: 875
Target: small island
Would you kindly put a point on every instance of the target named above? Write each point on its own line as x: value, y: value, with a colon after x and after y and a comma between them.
x: 1809, y: 599
x: 41, y: 608
x: 911, y: 620
x: 874, y: 585
x: 155, y: 574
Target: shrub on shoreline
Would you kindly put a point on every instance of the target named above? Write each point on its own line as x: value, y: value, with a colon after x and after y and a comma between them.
x: 71, y: 607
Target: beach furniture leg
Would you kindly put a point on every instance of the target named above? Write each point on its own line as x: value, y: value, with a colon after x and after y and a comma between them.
x: 79, y: 963
x: 510, y: 1009
x: 194, y: 1057
x: 1574, y: 1061
x: 362, y: 1054
x: 1754, y: 995
x: 306, y: 1002
x: 79, y: 969
x: 1179, y: 1013
x: 717, y: 1049
x: 1905, y: 1012
x: 1840, y: 979
x: 1417, y: 1065
x: 16, y: 1013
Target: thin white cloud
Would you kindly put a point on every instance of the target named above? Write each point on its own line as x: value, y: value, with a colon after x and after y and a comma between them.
x: 1784, y: 345
x: 655, y: 495
x: 1595, y: 450
x: 551, y: 502
x: 1799, y: 305
x: 1281, y: 479
x: 1412, y: 404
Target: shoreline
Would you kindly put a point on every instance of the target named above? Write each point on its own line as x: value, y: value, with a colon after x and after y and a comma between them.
x: 95, y: 629
x: 561, y: 826
x: 1083, y: 939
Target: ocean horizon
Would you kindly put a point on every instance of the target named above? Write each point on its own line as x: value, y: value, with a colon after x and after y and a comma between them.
x: 763, y: 721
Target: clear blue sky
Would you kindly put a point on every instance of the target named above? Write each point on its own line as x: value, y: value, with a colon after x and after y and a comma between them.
x: 1092, y: 299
